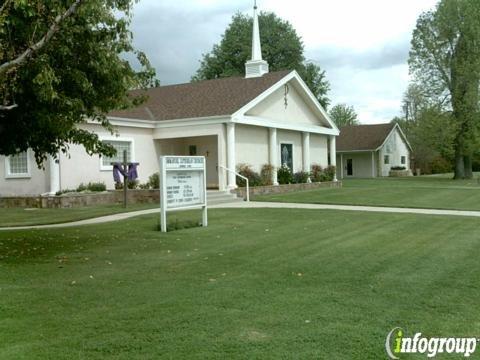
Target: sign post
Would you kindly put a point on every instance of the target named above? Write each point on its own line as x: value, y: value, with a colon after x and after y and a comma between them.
x: 183, y: 186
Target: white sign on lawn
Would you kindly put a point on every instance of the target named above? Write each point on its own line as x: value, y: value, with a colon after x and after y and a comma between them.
x: 182, y: 185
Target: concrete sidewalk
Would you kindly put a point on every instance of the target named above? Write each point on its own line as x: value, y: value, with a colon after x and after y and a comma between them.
x: 259, y: 205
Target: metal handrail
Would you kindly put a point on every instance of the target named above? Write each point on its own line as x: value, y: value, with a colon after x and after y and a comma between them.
x: 240, y: 176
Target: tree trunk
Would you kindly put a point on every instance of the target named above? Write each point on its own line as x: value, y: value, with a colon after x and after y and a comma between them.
x: 467, y: 164
x: 459, y: 168
x: 459, y: 157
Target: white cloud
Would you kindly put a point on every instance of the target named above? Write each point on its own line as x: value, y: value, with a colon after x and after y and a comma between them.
x: 363, y: 45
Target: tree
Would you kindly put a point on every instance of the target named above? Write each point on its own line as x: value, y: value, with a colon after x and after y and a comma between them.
x: 60, y: 64
x: 343, y: 115
x: 282, y: 48
x: 445, y: 61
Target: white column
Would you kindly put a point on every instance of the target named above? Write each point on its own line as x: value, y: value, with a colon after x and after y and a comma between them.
x: 341, y: 166
x: 373, y: 164
x: 231, y: 183
x: 54, y: 166
x: 306, y: 152
x: 333, y: 154
x: 273, y: 153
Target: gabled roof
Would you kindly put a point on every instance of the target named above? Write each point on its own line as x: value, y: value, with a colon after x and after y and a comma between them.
x: 363, y: 137
x: 207, y: 98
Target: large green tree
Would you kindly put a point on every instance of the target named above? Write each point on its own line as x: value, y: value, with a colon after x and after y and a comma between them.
x: 343, y: 115
x: 61, y: 64
x: 445, y: 61
x: 282, y: 48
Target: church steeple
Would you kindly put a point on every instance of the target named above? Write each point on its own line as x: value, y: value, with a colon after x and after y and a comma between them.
x: 256, y: 66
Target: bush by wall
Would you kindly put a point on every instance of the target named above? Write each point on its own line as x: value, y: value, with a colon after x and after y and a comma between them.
x: 154, y: 181
x: 266, y: 174
x: 254, y: 178
x: 131, y: 184
x: 330, y: 173
x: 301, y: 177
x: 316, y: 174
x: 284, y: 175
x: 319, y: 174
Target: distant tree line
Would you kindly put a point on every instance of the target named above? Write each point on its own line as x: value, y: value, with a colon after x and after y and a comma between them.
x: 441, y: 105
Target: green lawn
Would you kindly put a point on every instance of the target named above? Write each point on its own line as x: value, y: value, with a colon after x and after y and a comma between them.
x: 22, y: 217
x: 436, y: 192
x: 255, y: 284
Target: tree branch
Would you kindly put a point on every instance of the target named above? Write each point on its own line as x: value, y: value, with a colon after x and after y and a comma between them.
x: 41, y: 43
x: 7, y: 107
x: 4, y: 6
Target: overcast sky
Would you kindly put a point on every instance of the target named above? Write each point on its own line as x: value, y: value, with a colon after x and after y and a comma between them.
x: 362, y: 45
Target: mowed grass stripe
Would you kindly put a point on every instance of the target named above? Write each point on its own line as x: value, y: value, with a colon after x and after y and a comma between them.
x: 423, y: 192
x: 317, y: 284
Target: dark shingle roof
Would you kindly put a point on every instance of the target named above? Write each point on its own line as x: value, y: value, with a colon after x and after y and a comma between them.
x: 363, y: 137
x: 200, y: 99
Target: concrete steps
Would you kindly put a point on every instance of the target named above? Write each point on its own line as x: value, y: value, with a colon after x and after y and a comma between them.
x: 215, y: 197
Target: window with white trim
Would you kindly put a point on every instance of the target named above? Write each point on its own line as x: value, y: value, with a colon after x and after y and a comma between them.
x: 386, y: 159
x: 120, y: 146
x: 403, y: 160
x: 17, y: 165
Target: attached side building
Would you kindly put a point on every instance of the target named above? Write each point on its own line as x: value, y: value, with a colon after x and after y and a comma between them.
x: 366, y: 151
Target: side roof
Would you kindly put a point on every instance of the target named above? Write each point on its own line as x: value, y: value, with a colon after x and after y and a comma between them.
x: 207, y: 98
x: 365, y: 137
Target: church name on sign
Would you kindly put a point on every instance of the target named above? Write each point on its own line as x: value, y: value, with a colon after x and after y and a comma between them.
x: 184, y: 163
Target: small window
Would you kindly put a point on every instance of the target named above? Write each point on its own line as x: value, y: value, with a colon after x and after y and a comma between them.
x: 386, y: 159
x: 120, y: 146
x: 403, y: 160
x: 286, y: 155
x: 192, y: 150
x: 17, y: 165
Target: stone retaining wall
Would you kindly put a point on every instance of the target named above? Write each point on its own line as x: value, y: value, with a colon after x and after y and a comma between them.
x: 281, y: 189
x: 400, y: 173
x: 81, y: 200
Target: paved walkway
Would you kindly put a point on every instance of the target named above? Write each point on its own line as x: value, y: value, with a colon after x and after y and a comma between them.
x: 259, y: 205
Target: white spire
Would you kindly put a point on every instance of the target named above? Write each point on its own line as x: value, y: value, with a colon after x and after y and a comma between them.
x: 256, y: 66
x: 256, y: 44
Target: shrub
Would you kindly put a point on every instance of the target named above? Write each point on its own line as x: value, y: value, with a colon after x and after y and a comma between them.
x: 131, y: 184
x: 253, y: 177
x: 284, y: 175
x: 82, y: 187
x: 441, y: 166
x: 145, y: 186
x: 96, y: 186
x: 266, y: 174
x: 301, y: 177
x: 154, y: 181
x: 316, y: 173
x: 398, y: 168
x: 330, y: 173
x: 65, y: 191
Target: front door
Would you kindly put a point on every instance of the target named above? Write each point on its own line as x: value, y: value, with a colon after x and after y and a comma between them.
x: 349, y: 167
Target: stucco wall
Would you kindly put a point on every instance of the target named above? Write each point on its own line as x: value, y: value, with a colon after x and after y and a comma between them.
x: 38, y: 183
x: 319, y: 149
x: 251, y: 146
x: 82, y: 168
x: 395, y: 147
x: 297, y: 109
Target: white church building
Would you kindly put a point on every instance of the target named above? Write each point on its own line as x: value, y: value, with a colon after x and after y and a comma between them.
x: 261, y: 118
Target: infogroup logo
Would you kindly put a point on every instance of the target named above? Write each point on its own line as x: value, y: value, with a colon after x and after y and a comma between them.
x: 397, y: 344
